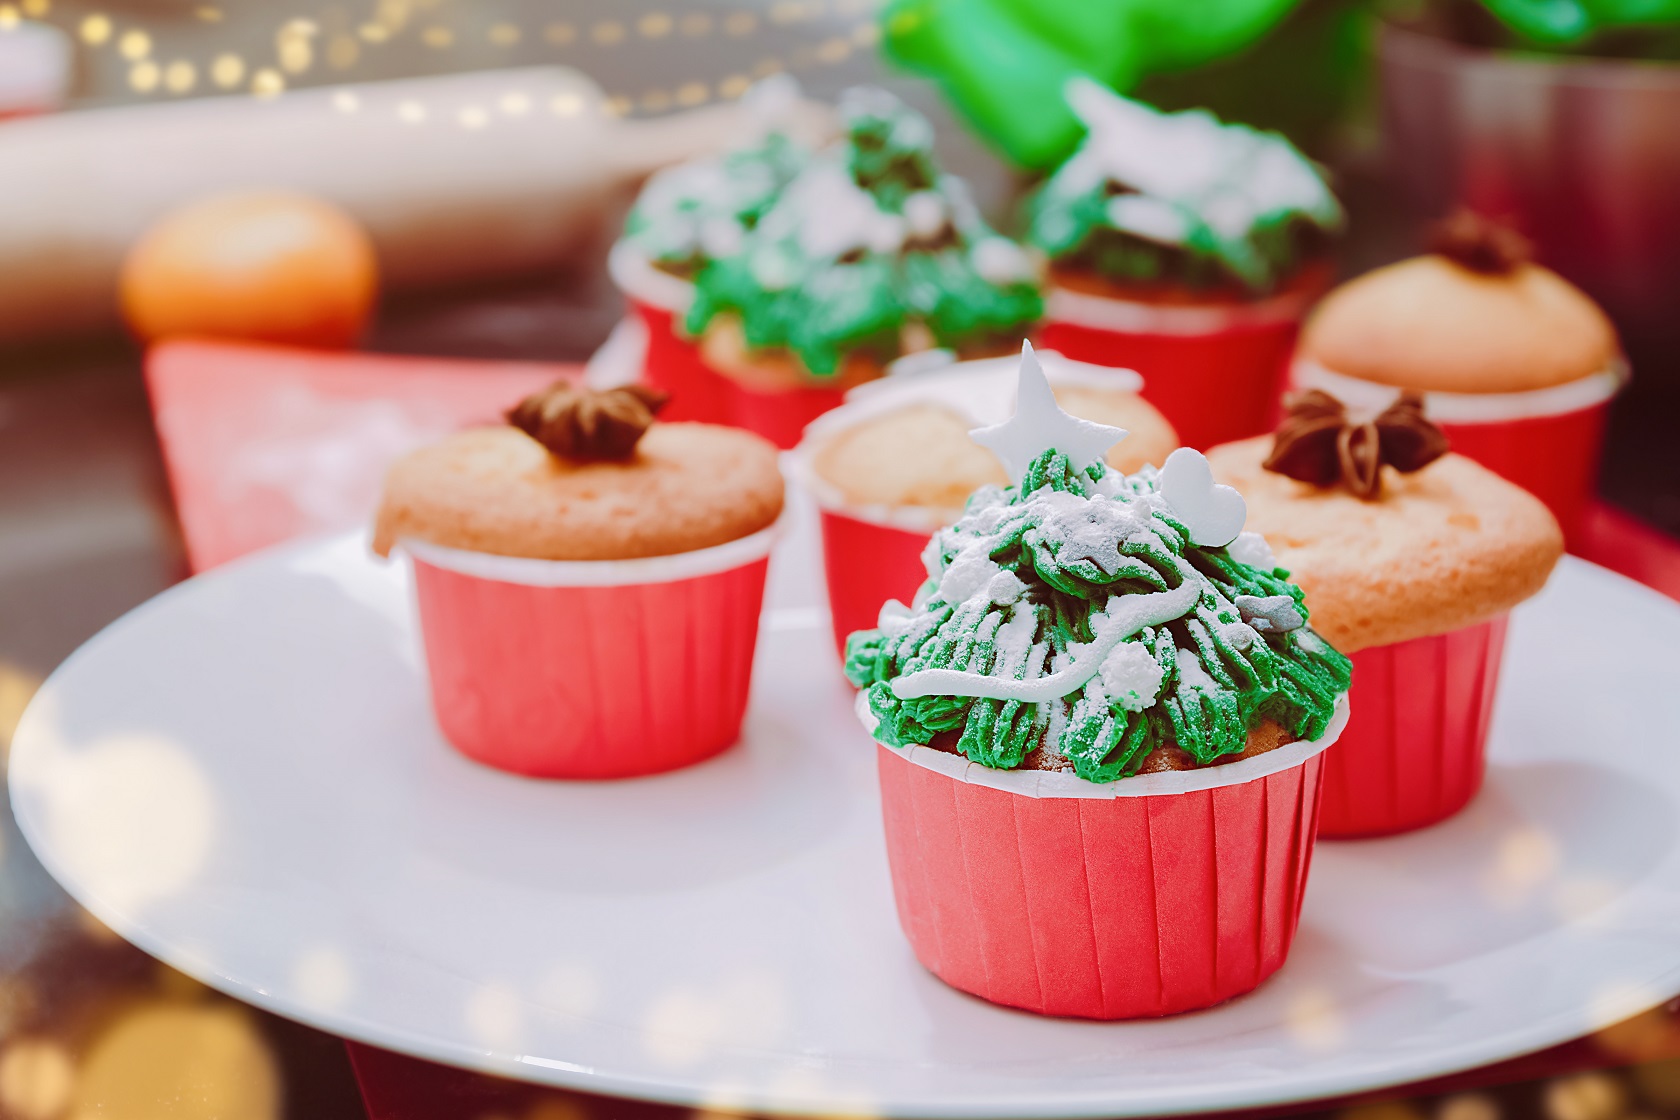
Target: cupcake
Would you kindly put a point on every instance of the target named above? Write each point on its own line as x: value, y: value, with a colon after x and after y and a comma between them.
x: 589, y: 581
x: 869, y: 252
x: 1515, y: 364
x: 1099, y: 732
x: 686, y: 216
x: 1186, y: 249
x: 1410, y: 557
x: 895, y: 464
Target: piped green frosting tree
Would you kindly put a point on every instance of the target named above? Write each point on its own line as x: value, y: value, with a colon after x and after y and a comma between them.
x: 1075, y: 612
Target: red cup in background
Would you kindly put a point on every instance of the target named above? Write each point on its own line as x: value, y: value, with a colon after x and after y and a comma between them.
x: 1546, y: 440
x: 1149, y: 896
x: 1414, y: 750
x: 1214, y: 370
x: 866, y: 563
x: 675, y: 365
x: 590, y: 669
x: 671, y: 362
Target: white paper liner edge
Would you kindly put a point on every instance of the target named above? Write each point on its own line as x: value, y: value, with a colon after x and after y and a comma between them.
x: 636, y: 277
x: 1130, y: 316
x: 1466, y: 408
x: 598, y: 573
x: 1045, y: 783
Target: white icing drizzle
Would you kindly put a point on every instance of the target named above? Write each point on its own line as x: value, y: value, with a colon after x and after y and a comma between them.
x: 1124, y: 617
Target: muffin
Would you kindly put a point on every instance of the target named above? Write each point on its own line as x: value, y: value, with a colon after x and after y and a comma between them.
x: 867, y: 253
x: 589, y: 581
x: 1099, y: 734
x: 690, y: 213
x: 1187, y: 249
x: 1411, y: 557
x: 1515, y: 364
x: 896, y: 463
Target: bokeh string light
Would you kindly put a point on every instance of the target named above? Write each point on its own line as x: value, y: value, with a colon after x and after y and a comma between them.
x: 302, y: 46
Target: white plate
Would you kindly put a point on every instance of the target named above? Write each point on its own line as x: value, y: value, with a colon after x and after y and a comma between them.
x: 242, y: 777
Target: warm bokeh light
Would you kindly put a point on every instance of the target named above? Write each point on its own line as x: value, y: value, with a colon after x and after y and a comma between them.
x: 180, y: 76
x: 96, y: 29
x: 36, y: 1079
x: 143, y: 77
x: 1584, y: 1096
x: 134, y: 45
x: 228, y: 71
x: 187, y: 1062
x: 267, y: 82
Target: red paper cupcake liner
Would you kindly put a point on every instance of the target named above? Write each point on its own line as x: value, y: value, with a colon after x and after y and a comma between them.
x: 867, y: 563
x: 1149, y: 896
x: 1414, y: 751
x: 607, y: 669
x: 1547, y: 441
x: 1214, y: 372
x: 675, y: 365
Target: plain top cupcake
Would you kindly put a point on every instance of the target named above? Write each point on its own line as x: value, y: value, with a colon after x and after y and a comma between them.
x: 1446, y: 546
x: 904, y: 443
x: 1475, y: 316
x: 583, y: 475
x: 1179, y: 200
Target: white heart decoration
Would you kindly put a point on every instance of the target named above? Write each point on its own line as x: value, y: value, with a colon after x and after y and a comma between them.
x: 1214, y: 514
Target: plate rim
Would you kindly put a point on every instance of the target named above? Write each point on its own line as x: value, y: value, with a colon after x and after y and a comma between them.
x: 1254, y: 1092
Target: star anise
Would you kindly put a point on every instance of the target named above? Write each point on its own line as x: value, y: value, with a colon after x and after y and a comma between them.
x: 1479, y: 244
x: 582, y: 423
x: 1317, y: 443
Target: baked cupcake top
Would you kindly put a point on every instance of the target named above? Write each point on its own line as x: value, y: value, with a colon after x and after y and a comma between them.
x: 1086, y: 620
x: 1445, y: 546
x: 870, y: 249
x: 903, y: 444
x: 605, y: 482
x: 1179, y: 198
x: 1474, y: 317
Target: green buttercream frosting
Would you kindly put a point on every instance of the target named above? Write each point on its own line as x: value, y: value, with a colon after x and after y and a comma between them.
x: 868, y: 238
x: 693, y: 212
x: 1072, y: 613
x: 1181, y: 197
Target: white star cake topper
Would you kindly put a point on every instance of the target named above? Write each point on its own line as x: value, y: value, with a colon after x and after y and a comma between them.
x: 1039, y: 424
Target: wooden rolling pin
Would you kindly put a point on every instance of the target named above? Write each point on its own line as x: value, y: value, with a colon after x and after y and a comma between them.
x: 457, y: 179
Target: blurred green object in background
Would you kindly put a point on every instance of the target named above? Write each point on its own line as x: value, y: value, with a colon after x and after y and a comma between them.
x: 1567, y: 22
x: 1003, y: 63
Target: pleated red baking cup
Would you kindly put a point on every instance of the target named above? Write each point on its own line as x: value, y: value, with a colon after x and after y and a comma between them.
x: 867, y: 562
x: 1149, y: 896
x: 676, y: 365
x: 590, y: 669
x: 1415, y: 749
x: 873, y: 553
x: 1214, y: 370
x: 672, y: 362
x: 1545, y: 440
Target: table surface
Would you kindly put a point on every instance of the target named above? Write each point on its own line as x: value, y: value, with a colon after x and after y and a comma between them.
x: 87, y: 531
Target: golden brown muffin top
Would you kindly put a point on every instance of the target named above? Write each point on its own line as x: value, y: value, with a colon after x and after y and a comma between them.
x: 1445, y: 547
x: 921, y: 455
x: 1431, y: 324
x: 497, y: 490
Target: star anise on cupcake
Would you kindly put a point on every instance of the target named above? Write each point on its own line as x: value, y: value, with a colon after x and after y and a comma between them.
x: 580, y: 423
x: 1317, y: 443
x: 1479, y: 244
